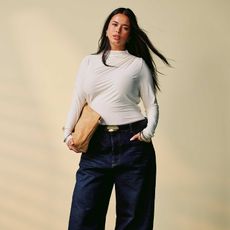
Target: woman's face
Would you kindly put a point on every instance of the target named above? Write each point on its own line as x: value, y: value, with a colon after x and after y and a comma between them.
x: 118, y: 31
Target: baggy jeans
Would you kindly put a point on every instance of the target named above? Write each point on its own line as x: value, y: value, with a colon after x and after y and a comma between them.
x: 113, y: 160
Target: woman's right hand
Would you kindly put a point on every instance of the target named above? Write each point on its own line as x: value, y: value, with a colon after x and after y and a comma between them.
x: 70, y: 144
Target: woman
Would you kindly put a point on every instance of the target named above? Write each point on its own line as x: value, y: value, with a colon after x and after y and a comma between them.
x: 120, y: 153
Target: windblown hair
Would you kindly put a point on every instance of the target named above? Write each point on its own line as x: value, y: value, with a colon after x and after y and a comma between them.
x: 138, y: 44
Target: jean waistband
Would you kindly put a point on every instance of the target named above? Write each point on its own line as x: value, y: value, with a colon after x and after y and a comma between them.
x: 131, y: 126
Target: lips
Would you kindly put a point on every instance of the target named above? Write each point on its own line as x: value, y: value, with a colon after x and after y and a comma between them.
x: 116, y: 37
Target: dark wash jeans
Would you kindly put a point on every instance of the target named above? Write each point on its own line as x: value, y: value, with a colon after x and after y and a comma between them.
x: 112, y: 159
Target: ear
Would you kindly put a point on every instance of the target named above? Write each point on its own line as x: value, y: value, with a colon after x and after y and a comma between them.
x: 106, y: 33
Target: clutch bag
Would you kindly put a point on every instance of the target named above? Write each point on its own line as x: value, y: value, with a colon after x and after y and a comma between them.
x: 84, y: 128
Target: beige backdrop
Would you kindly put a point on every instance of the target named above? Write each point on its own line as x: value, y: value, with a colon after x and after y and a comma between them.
x: 41, y: 45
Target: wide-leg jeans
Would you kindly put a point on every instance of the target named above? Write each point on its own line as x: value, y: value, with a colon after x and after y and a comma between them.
x: 113, y: 160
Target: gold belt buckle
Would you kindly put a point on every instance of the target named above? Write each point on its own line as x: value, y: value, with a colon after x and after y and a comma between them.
x: 112, y: 128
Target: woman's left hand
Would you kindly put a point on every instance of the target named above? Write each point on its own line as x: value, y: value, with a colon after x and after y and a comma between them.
x: 136, y: 137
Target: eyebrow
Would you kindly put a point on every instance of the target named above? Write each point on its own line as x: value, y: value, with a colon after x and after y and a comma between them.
x: 122, y: 24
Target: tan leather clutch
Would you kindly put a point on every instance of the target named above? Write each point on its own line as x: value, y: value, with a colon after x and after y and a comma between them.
x: 84, y: 128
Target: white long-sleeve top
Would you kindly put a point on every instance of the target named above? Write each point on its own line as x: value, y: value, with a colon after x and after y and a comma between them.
x: 114, y: 91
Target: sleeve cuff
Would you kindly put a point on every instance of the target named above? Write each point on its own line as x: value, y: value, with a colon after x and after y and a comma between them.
x: 144, y: 138
x: 67, y: 138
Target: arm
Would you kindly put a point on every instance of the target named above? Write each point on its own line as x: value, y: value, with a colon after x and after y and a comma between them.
x: 149, y: 101
x: 78, y: 101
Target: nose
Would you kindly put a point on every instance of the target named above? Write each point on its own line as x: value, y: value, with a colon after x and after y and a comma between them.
x: 118, y: 29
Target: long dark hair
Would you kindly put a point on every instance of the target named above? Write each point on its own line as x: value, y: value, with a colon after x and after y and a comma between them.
x: 138, y: 44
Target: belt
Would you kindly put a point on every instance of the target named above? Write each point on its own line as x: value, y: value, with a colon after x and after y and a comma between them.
x: 114, y: 128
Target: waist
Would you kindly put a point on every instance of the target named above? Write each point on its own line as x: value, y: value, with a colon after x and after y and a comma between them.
x: 134, y: 126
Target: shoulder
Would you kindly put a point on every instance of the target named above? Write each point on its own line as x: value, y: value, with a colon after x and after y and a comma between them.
x: 140, y: 64
x: 91, y: 58
x: 143, y: 66
x: 139, y: 61
x: 86, y: 59
x: 135, y: 58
